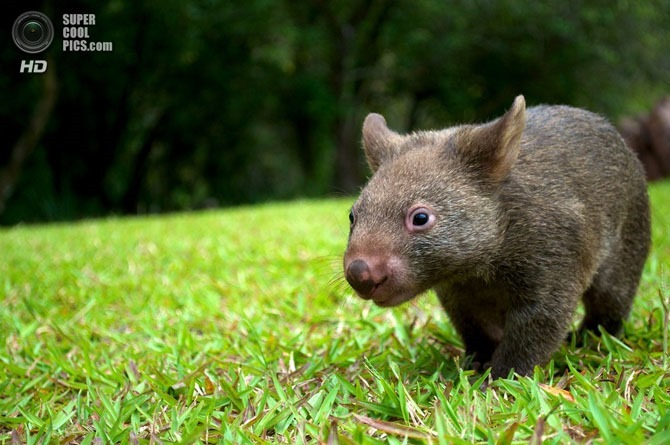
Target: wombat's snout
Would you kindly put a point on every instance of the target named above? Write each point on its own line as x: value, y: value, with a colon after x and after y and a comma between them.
x: 363, y: 279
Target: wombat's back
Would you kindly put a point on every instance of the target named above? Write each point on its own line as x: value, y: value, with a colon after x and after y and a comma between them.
x: 574, y: 158
x: 578, y: 147
x: 577, y: 181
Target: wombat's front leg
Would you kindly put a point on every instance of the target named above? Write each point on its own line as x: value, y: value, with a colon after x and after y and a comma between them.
x: 479, y: 345
x: 532, y: 333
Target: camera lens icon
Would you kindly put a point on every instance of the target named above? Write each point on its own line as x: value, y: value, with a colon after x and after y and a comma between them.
x: 32, y: 32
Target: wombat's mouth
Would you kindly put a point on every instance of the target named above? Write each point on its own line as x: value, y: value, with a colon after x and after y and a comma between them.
x: 380, y: 278
x: 394, y: 299
x: 384, y: 295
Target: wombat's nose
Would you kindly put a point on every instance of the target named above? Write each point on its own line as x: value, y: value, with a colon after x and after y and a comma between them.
x: 360, y: 278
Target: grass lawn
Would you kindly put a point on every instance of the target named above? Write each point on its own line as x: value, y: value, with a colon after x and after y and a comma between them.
x: 236, y: 326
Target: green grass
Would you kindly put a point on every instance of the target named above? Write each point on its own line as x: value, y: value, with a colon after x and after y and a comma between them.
x: 235, y: 327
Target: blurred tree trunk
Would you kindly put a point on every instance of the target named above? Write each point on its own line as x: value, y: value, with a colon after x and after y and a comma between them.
x: 24, y: 147
x: 357, y: 48
x: 349, y: 169
x: 131, y: 197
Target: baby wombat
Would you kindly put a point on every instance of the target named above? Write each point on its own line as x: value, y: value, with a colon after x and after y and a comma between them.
x: 510, y: 222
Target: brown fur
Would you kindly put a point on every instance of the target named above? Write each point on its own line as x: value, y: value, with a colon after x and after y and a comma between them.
x: 517, y: 220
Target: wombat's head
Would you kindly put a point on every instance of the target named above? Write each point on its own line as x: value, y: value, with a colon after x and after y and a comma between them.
x: 430, y: 212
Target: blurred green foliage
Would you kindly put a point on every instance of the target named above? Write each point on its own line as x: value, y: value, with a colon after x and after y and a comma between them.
x: 207, y: 102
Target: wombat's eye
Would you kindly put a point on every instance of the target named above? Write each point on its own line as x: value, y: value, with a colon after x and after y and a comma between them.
x: 419, y: 219
x: 351, y: 218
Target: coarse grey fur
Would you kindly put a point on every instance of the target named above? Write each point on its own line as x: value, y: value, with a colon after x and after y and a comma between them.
x: 518, y: 219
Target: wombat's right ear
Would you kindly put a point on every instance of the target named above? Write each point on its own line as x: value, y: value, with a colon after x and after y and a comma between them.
x: 379, y: 142
x: 492, y: 149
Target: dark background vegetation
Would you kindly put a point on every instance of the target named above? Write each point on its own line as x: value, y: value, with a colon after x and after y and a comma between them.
x: 206, y: 102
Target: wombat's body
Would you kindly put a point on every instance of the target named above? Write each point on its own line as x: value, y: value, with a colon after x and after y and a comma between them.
x: 511, y: 222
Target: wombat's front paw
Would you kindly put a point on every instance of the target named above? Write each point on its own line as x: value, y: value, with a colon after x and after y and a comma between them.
x: 477, y: 362
x: 475, y: 365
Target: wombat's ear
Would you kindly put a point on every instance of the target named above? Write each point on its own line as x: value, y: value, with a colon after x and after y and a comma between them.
x: 492, y: 149
x: 379, y: 142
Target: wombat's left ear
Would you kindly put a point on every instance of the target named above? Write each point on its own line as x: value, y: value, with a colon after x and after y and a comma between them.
x: 379, y: 142
x: 493, y: 148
